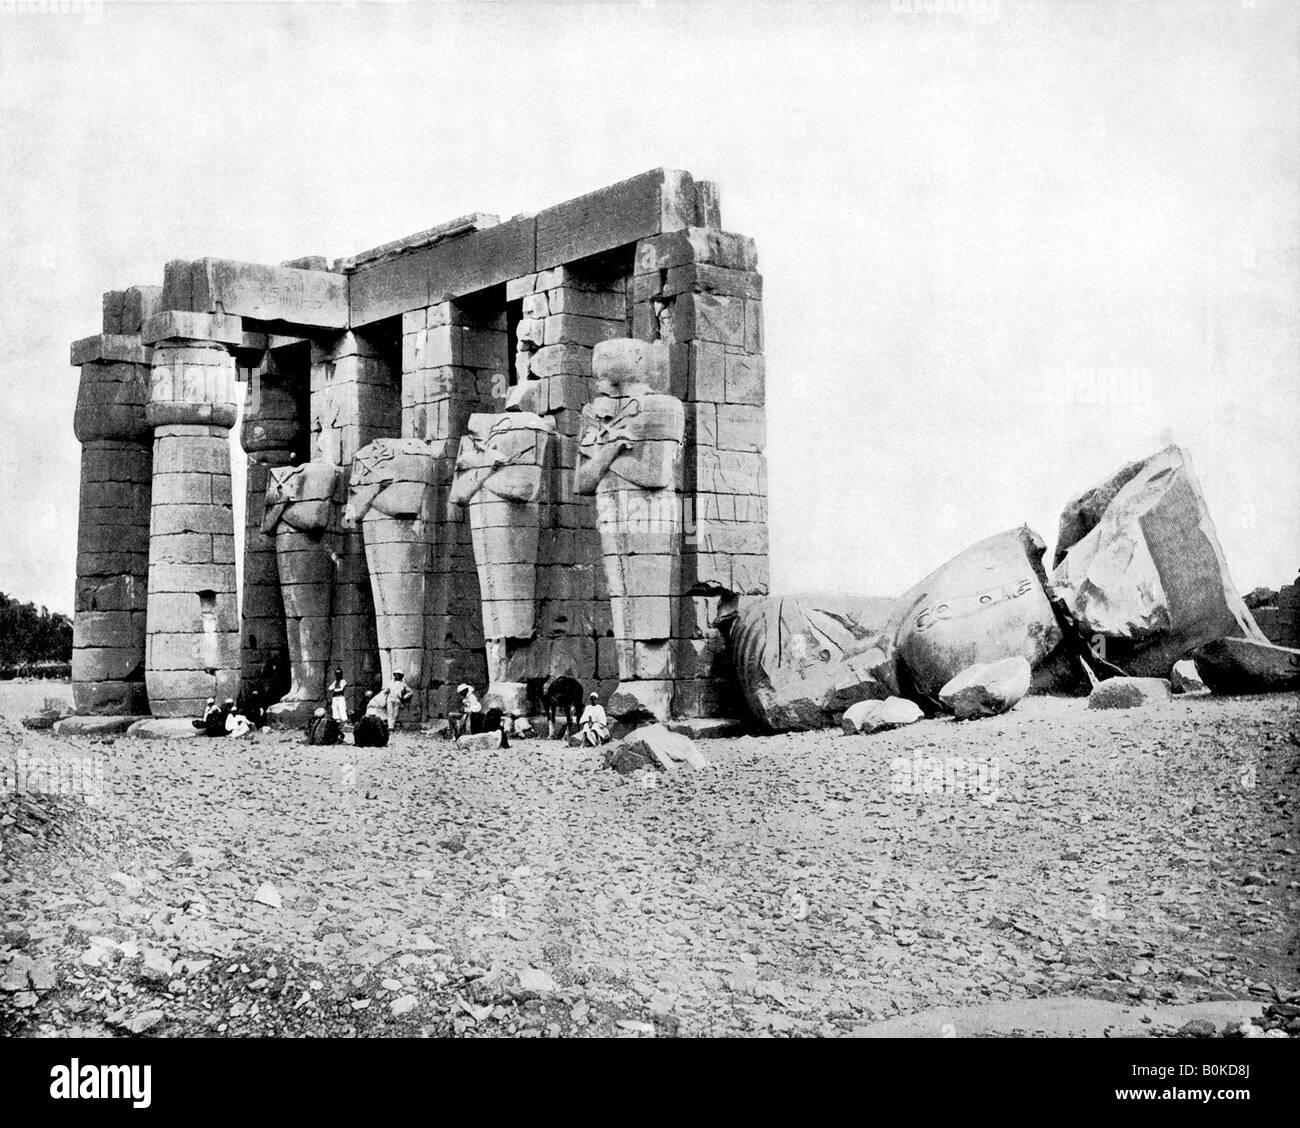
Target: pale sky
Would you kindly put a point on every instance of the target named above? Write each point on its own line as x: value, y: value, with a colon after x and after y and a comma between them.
x: 961, y: 216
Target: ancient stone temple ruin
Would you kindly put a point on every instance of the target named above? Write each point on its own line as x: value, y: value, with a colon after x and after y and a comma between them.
x: 493, y: 452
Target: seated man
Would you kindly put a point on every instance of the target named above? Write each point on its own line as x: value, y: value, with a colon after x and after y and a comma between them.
x: 520, y: 728
x: 593, y: 724
x: 470, y: 718
x: 237, y: 724
x: 214, y: 719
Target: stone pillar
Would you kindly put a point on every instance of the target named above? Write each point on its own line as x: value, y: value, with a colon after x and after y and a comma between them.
x: 390, y: 499
x: 565, y: 312
x: 698, y: 291
x: 193, y: 624
x: 629, y: 458
x: 454, y: 362
x: 108, y: 656
x: 355, y: 399
x: 272, y: 436
x: 499, y: 478
x: 301, y: 513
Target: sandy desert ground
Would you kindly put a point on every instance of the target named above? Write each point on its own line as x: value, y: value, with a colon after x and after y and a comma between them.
x: 1054, y: 870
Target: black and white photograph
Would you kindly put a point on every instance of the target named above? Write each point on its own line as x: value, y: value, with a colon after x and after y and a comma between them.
x: 649, y: 521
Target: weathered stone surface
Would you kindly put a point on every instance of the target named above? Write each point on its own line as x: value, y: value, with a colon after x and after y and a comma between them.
x: 175, y: 324
x: 1239, y: 665
x: 1129, y: 693
x: 1139, y: 566
x: 986, y: 689
x: 1183, y: 678
x: 987, y: 603
x: 269, y: 293
x: 480, y: 741
x: 867, y: 717
x: 801, y: 658
x: 91, y: 725
x: 637, y: 700
x: 656, y: 746
x: 159, y: 728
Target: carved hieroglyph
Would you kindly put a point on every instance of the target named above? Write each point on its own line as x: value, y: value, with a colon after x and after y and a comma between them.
x: 499, y: 479
x: 301, y: 513
x: 390, y: 500
x: 628, y: 457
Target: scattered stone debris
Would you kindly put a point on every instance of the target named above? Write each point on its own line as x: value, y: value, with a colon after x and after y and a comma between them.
x: 867, y: 717
x: 654, y: 746
x: 1129, y: 693
x: 1239, y: 665
x: 986, y: 690
x: 1183, y: 678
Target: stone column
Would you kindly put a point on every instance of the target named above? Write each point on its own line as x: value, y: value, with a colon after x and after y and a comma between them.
x: 454, y: 360
x: 629, y: 458
x: 112, y: 525
x: 193, y: 623
x: 698, y: 291
x: 499, y: 478
x: 271, y: 435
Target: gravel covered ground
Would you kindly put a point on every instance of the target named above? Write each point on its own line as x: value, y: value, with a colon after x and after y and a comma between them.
x: 810, y: 884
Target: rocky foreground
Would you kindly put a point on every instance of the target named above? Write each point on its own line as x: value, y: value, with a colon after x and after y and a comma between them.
x: 810, y: 884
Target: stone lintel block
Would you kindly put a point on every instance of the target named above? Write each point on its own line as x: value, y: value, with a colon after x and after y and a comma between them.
x: 107, y: 347
x: 181, y: 325
x: 705, y: 279
x: 696, y: 245
x: 565, y: 328
x: 609, y: 305
x: 316, y: 298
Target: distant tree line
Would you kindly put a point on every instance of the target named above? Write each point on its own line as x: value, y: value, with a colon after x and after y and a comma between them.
x: 30, y: 634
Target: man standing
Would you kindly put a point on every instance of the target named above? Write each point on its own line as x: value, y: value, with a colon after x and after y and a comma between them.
x: 399, y: 693
x: 338, y: 702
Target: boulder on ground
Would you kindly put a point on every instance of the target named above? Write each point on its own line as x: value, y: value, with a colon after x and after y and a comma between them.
x: 1129, y: 693
x: 986, y: 604
x: 866, y: 717
x: 87, y: 725
x: 1183, y: 678
x: 480, y: 741
x: 792, y: 656
x: 1239, y: 665
x: 1139, y: 570
x: 987, y: 689
x: 654, y: 746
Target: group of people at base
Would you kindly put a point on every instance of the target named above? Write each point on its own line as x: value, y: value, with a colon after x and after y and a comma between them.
x: 373, y: 727
x: 230, y: 719
x: 558, y: 694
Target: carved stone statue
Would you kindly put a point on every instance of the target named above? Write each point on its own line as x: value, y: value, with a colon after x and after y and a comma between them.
x: 302, y: 505
x: 628, y: 458
x: 499, y: 479
x: 390, y: 500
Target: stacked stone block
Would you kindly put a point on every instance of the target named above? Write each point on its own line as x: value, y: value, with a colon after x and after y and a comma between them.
x: 193, y: 628
x: 698, y: 291
x: 355, y: 399
x: 272, y: 436
x: 455, y: 360
x: 113, y: 519
x: 566, y: 311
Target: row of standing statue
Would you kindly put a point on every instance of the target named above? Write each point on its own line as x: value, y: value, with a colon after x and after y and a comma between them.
x: 629, y: 446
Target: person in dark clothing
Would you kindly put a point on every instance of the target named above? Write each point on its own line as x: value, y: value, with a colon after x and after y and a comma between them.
x: 495, y: 719
x: 213, y: 722
x: 323, y: 729
x: 253, y: 709
x: 562, y: 693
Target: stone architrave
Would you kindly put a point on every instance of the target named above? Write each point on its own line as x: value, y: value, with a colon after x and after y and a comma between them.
x: 390, y: 499
x: 628, y: 458
x: 302, y: 505
x: 499, y: 479
x: 193, y: 619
